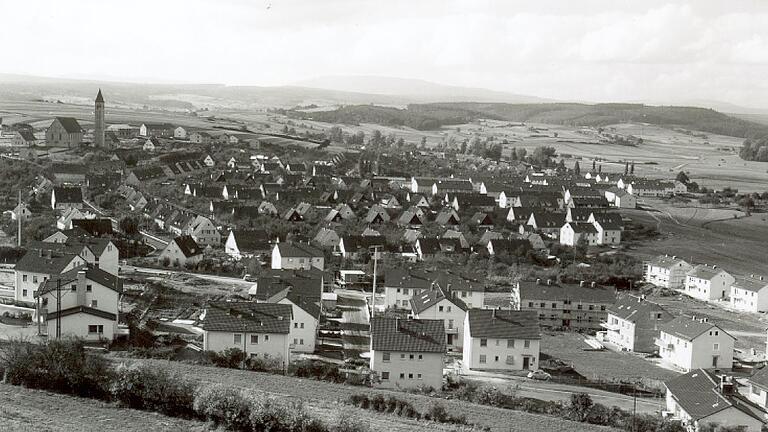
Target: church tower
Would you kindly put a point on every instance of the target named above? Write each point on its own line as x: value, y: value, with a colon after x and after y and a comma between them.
x: 98, y: 132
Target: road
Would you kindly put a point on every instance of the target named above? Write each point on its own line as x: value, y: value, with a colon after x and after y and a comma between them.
x: 562, y: 392
x: 356, y: 336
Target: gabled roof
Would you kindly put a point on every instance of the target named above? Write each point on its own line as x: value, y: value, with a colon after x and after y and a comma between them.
x: 500, y: 245
x: 70, y: 124
x: 81, y: 309
x: 94, y: 227
x: 503, y: 324
x: 582, y: 227
x: 66, y: 194
x: 44, y: 261
x: 664, y: 261
x: 542, y: 290
x: 250, y: 317
x: 750, y: 283
x: 394, y: 334
x: 688, y: 328
x: 248, y: 240
x: 188, y: 246
x: 298, y: 250
x: 697, y: 393
x: 26, y: 135
x: 94, y: 274
x: 433, y: 296
x: 703, y: 271
x: 637, y: 310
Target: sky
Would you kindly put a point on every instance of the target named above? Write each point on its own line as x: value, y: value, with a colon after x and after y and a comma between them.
x: 587, y: 50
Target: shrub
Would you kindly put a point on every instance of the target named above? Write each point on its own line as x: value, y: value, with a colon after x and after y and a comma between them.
x: 316, y: 369
x: 143, y: 387
x: 349, y: 423
x: 581, y: 404
x: 61, y: 366
x: 231, y: 358
x: 224, y: 406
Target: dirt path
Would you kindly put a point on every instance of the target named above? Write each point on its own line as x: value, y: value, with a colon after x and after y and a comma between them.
x: 38, y: 411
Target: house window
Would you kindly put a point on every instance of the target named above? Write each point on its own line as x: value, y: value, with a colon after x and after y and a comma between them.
x: 439, y: 308
x: 496, y: 359
x: 402, y: 376
x: 448, y: 308
x: 237, y: 338
x: 385, y: 357
x: 579, y: 307
x: 295, y: 325
x: 295, y: 341
x: 402, y: 356
x: 410, y: 376
x: 591, y: 307
x: 510, y: 359
x: 542, y: 305
x: 34, y: 279
x: 254, y: 339
x: 24, y: 293
x: 530, y: 304
x: 410, y: 356
x: 385, y: 376
x: 554, y: 305
x: 602, y: 308
x: 421, y: 357
x: 24, y: 278
x: 526, y: 344
x: 88, y: 288
x: 301, y: 325
x: 266, y: 338
x: 94, y: 303
x: 450, y: 323
x: 482, y: 358
x: 73, y: 287
x: 716, y: 347
x: 510, y: 343
x: 418, y: 376
x: 95, y: 329
x: 717, y: 333
x: 483, y: 342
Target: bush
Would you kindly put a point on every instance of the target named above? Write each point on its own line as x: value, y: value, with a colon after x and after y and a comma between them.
x: 146, y: 388
x: 61, y: 366
x: 349, y: 423
x: 224, y: 406
x: 315, y: 369
x: 231, y: 358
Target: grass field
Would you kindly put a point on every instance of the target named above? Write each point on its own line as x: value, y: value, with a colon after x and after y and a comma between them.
x: 596, y: 365
x: 324, y: 399
x: 38, y: 411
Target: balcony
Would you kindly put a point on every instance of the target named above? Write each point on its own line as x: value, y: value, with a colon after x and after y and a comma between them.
x: 611, y: 327
x: 663, y: 345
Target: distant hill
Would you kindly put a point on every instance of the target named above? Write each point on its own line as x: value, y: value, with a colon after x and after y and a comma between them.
x: 435, y: 115
x: 417, y: 91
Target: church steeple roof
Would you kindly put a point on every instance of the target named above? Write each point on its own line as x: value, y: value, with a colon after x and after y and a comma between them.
x: 99, y: 98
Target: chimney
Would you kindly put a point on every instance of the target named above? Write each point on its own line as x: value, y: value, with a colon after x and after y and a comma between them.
x: 81, y: 288
x: 726, y: 385
x: 493, y: 313
x: 714, y: 267
x: 693, y: 318
x: 549, y: 281
x: 40, y: 253
x: 397, y: 324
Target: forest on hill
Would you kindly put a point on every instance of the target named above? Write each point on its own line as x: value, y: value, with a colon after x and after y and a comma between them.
x: 435, y: 115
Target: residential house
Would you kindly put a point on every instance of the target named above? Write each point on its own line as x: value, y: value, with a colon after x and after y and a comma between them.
x: 327, y: 238
x: 439, y: 303
x: 24, y: 138
x: 757, y: 390
x: 448, y: 218
x: 297, y: 256
x: 39, y: 265
x: 246, y: 243
x: 667, y: 271
x: 260, y: 330
x: 64, y: 197
x: 97, y: 252
x: 688, y: 343
x: 151, y: 144
x: 547, y: 223
x: 633, y: 323
x: 581, y: 306
x: 700, y: 398
x: 400, y: 284
x: 429, y: 247
x: 357, y: 246
x: 501, y: 340
x: 140, y: 176
x: 164, y: 130
x: 199, y: 137
x: 180, y: 133
x: 64, y: 221
x: 576, y: 233
x: 69, y: 173
x: 64, y: 132
x: 513, y: 246
x: 407, y: 353
x: 203, y: 231
x: 21, y: 211
x: 304, y: 323
x: 88, y: 307
x: 708, y: 282
x: 749, y: 294
x: 182, y: 251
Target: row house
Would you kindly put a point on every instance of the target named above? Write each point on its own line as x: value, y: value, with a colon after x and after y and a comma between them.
x: 97, y: 252
x: 581, y: 306
x: 441, y: 304
x: 749, y: 293
x: 707, y: 282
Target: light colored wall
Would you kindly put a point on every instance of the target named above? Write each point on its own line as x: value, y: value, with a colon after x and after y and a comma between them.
x: 472, y: 351
x: 277, y: 347
x: 303, y: 329
x: 77, y: 326
x: 689, y: 355
x: 430, y: 366
x: 450, y: 312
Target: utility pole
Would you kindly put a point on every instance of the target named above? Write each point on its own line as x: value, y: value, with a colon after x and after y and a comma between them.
x: 375, y: 267
x: 18, y: 218
x: 58, y: 308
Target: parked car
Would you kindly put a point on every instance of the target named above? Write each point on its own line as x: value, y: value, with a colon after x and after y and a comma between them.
x: 539, y: 375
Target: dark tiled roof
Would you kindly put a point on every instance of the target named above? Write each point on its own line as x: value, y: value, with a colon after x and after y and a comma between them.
x: 583, y: 227
x: 503, y: 324
x: 501, y: 245
x: 188, y: 246
x: 70, y: 124
x: 394, y: 334
x: 530, y: 290
x: 298, y: 250
x: 249, y: 240
x: 68, y: 168
x: 81, y: 309
x: 431, y: 297
x: 760, y: 378
x: 697, y: 393
x: 44, y: 261
x: 703, y: 271
x: 66, y: 194
x: 149, y: 173
x: 27, y: 135
x: 248, y: 317
x: 94, y: 274
x: 94, y: 227
x: 750, y: 283
x: 633, y: 309
x: 687, y: 327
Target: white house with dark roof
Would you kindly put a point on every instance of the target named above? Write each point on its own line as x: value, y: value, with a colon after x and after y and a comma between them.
x: 260, y: 330
x: 574, y: 233
x: 666, y: 271
x: 757, y: 391
x: 39, y: 265
x: 89, y: 303
x: 438, y: 303
x: 203, y: 231
x: 688, y: 343
x: 407, y: 353
x: 749, y: 294
x: 708, y: 282
x: 701, y: 398
x: 401, y: 284
x: 633, y: 323
x: 182, y: 251
x: 64, y: 197
x: 243, y: 243
x: 306, y: 318
x: 501, y: 340
x: 297, y: 256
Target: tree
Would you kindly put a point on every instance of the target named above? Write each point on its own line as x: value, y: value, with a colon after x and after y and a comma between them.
x: 580, y: 406
x: 632, y: 168
x: 335, y: 134
x: 577, y: 169
x: 626, y: 168
x: 129, y: 226
x: 593, y: 165
x: 682, y: 177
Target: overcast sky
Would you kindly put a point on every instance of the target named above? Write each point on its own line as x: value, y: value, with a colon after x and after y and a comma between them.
x: 570, y: 49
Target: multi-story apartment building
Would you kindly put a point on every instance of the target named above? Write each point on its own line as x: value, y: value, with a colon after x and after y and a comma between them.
x: 633, y: 323
x: 501, y: 340
x: 581, y: 306
x: 708, y: 282
x: 688, y: 343
x: 666, y: 271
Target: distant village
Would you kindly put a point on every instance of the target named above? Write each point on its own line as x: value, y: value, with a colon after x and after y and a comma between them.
x: 331, y: 249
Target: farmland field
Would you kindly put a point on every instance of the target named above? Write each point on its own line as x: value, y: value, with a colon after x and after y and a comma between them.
x: 324, y: 399
x: 33, y: 410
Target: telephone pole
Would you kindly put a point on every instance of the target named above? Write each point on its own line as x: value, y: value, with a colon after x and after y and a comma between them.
x: 18, y: 218
x: 375, y: 267
x: 58, y: 308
